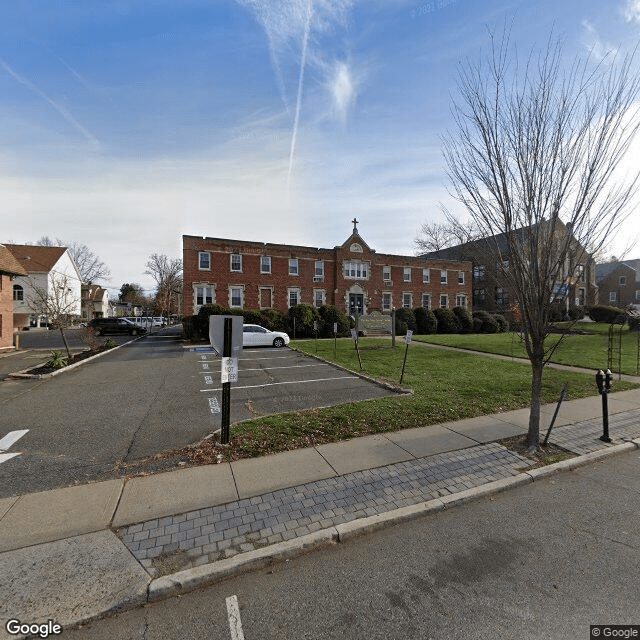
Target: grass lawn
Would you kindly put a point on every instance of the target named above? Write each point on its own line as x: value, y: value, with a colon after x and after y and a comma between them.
x: 589, y: 351
x: 446, y: 386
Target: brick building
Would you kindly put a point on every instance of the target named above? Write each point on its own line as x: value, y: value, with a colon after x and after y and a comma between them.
x: 9, y: 269
x: 619, y: 283
x: 353, y: 277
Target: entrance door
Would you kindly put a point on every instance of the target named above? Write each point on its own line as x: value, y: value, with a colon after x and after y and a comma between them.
x: 356, y: 304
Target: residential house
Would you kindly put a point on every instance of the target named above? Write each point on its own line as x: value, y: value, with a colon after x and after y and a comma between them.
x: 95, y: 302
x: 52, y: 278
x: 9, y: 270
x: 575, y: 285
x: 619, y: 283
x: 241, y: 274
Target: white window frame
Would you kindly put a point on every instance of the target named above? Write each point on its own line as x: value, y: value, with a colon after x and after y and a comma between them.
x: 406, y: 274
x: 386, y: 273
x: 201, y: 254
x: 319, y: 269
x: 445, y: 297
x: 231, y: 260
x: 356, y: 270
x: 426, y: 276
x: 18, y: 292
x: 271, y: 295
x: 622, y: 281
x: 323, y: 298
x: 444, y: 277
x: 262, y: 264
x: 294, y: 267
x: 390, y: 305
x: 460, y: 277
x: 427, y: 297
x: 461, y: 300
x: 233, y: 288
x: 291, y: 290
x: 205, y: 288
x: 404, y: 300
x: 613, y: 296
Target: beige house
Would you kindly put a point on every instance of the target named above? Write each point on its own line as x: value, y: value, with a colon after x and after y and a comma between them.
x: 619, y: 283
x: 9, y: 270
x: 95, y: 302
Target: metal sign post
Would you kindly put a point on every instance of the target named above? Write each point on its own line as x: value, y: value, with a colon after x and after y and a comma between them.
x: 354, y: 335
x: 335, y: 339
x: 407, y: 340
x: 226, y: 385
x: 315, y: 331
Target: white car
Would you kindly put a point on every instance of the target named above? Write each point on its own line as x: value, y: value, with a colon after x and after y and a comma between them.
x: 253, y: 335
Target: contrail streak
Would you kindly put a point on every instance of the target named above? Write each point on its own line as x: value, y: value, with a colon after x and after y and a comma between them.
x: 303, y: 63
x: 59, y: 108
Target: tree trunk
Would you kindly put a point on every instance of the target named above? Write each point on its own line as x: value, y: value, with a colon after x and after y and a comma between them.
x: 66, y: 346
x: 533, y: 435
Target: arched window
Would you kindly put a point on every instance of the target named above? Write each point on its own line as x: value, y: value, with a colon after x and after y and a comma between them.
x: 18, y: 292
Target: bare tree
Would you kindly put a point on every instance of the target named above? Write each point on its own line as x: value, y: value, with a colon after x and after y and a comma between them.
x: 435, y: 236
x: 532, y: 157
x: 90, y: 267
x: 57, y: 302
x: 167, y: 273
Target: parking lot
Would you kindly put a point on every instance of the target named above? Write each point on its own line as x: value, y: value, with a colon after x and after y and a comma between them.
x: 279, y: 380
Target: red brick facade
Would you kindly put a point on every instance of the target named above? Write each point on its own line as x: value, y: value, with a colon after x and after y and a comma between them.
x: 6, y: 312
x: 255, y: 275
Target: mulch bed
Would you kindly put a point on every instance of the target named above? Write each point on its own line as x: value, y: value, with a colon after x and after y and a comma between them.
x: 543, y: 456
x: 78, y: 357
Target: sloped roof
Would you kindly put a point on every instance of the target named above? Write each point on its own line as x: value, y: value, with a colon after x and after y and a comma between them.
x: 605, y: 269
x: 8, y: 264
x: 34, y: 258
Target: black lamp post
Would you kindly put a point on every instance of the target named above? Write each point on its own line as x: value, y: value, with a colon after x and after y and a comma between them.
x: 603, y: 380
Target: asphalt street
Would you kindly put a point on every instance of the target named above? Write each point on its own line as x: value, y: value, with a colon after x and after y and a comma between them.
x: 543, y: 561
x: 150, y: 396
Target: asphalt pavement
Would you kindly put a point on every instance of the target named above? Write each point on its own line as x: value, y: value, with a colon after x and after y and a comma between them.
x: 121, y: 543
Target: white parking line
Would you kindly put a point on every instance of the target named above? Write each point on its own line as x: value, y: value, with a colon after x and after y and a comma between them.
x: 233, y: 613
x: 294, y: 366
x: 11, y: 438
x: 273, y: 384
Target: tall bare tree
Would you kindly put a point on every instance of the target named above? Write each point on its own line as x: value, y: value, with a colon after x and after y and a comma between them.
x: 167, y: 273
x: 57, y: 302
x: 90, y: 266
x: 531, y: 158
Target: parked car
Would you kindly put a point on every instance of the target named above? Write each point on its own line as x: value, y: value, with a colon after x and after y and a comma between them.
x: 159, y: 322
x: 253, y: 335
x: 104, y: 326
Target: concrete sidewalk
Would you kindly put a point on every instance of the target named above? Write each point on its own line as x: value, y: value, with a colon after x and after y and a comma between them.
x: 75, y: 553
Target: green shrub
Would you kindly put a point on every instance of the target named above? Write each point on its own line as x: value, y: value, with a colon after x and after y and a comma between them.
x: 608, y: 315
x: 464, y: 319
x: 253, y: 316
x: 304, y: 316
x: 425, y: 321
x: 405, y: 320
x: 190, y: 326
x: 329, y: 315
x: 503, y: 323
x: 447, y: 321
x: 489, y: 323
x: 56, y: 360
x: 274, y: 320
x: 477, y: 325
x: 212, y: 310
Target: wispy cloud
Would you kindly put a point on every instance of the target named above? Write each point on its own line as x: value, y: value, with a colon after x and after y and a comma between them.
x: 58, y: 107
x: 290, y: 26
x: 631, y: 11
x: 595, y: 45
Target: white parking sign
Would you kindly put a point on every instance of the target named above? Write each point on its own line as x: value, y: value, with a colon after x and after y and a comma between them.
x: 407, y: 338
x: 229, y: 370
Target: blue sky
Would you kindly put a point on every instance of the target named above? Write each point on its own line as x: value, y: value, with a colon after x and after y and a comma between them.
x: 125, y: 124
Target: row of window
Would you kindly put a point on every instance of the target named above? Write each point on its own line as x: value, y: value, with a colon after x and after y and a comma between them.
x: 613, y: 296
x: 205, y: 295
x: 480, y: 271
x: 353, y: 270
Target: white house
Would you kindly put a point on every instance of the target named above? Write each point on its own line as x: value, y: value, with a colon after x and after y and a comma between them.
x: 95, y: 302
x: 52, y: 284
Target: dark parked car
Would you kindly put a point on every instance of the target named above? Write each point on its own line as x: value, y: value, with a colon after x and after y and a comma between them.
x: 116, y: 325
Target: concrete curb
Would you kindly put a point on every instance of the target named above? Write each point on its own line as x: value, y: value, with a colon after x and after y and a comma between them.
x: 45, y: 376
x: 189, y: 579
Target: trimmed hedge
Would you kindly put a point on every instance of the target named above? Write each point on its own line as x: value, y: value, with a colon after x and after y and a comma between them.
x: 609, y: 315
x: 329, y: 315
x: 405, y: 320
x: 489, y: 323
x: 425, y: 321
x: 464, y: 319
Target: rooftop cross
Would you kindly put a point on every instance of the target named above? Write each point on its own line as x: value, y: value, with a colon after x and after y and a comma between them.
x: 355, y: 222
